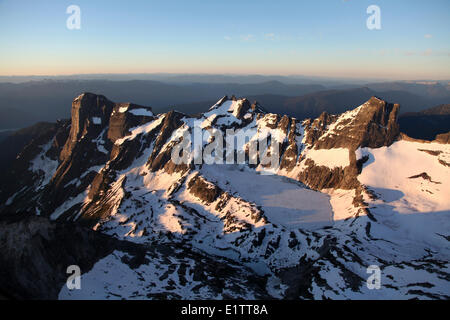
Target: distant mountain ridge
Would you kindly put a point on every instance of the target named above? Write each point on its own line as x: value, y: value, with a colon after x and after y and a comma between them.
x: 313, y: 104
x: 423, y: 88
x: 24, y: 104
x: 443, y: 109
x: 427, y: 123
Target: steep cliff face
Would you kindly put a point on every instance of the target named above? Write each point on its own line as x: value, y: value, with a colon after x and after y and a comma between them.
x: 373, y: 124
x: 316, y: 202
x: 32, y: 170
x: 90, y: 113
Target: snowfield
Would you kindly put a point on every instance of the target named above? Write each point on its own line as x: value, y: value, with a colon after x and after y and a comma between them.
x: 285, y: 202
x: 331, y: 158
x: 410, y: 176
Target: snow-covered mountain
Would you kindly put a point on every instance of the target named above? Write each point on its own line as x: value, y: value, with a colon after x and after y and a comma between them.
x: 347, y: 192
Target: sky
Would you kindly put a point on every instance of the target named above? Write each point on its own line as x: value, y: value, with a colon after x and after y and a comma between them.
x: 318, y: 38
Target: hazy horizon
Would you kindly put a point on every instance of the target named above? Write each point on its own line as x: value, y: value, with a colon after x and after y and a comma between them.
x: 329, y: 39
x: 218, y: 77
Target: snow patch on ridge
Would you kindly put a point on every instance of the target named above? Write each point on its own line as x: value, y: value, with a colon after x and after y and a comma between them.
x: 141, y: 112
x: 146, y: 128
x: 44, y: 166
x: 331, y: 158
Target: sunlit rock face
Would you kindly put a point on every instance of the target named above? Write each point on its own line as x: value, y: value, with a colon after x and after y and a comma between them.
x: 345, y: 192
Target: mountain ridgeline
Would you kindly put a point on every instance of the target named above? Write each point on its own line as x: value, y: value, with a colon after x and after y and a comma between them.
x: 98, y: 145
x: 307, y: 227
x: 23, y: 104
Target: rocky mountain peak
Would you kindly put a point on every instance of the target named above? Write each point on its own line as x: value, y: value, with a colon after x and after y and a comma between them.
x: 240, y: 108
x: 373, y: 124
x: 90, y: 114
x: 126, y: 116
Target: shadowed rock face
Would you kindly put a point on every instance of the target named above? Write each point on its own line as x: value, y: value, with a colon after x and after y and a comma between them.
x: 380, y: 121
x: 36, y: 254
x: 45, y: 145
x: 443, y: 138
x: 203, y: 190
x: 14, y: 142
x: 96, y: 124
x: 90, y: 113
x: 374, y: 126
x: 122, y: 121
x: 160, y: 158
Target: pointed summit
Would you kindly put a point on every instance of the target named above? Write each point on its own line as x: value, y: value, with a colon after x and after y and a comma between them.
x: 237, y: 107
x: 372, y: 124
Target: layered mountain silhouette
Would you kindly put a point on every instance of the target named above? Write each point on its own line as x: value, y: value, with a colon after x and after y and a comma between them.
x: 23, y: 104
x: 426, y: 124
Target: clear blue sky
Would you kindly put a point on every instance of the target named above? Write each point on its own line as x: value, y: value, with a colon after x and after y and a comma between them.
x: 322, y: 38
